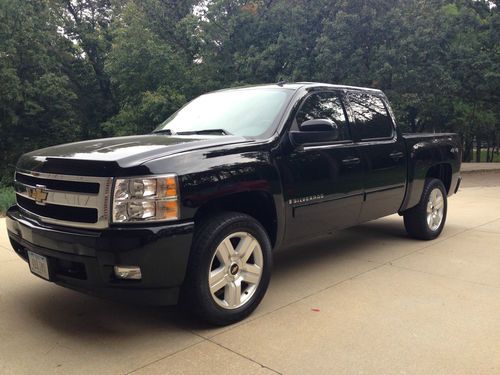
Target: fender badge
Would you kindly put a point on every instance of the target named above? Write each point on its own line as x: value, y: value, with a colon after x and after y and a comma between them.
x: 306, y: 199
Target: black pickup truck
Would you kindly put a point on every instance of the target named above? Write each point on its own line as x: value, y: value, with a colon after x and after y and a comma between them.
x: 194, y: 211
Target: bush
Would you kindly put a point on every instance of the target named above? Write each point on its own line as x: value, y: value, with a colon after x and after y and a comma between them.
x: 7, y: 199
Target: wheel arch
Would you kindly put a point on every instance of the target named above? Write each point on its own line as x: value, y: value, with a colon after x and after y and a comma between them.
x: 443, y: 172
x: 418, y: 174
x: 258, y: 204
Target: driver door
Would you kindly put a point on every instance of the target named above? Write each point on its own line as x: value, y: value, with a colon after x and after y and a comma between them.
x: 323, y: 182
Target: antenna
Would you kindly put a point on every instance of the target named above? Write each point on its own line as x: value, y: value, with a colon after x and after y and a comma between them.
x: 281, y: 83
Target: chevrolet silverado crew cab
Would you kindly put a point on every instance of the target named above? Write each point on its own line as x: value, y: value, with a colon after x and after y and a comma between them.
x: 193, y: 211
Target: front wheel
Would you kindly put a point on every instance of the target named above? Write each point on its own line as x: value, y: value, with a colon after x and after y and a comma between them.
x: 426, y: 220
x: 230, y: 268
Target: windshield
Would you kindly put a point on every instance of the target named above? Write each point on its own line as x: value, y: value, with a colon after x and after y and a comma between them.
x: 243, y: 112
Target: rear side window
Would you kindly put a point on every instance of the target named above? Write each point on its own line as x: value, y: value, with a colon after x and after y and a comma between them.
x: 370, y: 115
x: 324, y: 105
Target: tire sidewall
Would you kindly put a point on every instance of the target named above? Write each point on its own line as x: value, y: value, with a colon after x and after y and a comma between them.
x: 205, y: 245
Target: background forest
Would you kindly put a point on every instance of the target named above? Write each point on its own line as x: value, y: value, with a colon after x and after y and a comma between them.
x: 80, y: 69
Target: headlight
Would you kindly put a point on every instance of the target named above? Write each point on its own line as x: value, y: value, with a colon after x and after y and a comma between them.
x: 145, y: 199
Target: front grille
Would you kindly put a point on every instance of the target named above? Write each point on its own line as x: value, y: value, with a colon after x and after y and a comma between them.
x: 58, y: 212
x: 61, y: 185
x: 77, y: 201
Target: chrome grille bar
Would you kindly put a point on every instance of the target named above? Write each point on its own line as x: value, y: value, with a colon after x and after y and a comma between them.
x: 59, y: 197
x: 66, y: 201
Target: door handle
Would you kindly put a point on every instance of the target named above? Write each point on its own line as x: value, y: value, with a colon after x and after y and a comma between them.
x: 351, y: 161
x: 396, y: 155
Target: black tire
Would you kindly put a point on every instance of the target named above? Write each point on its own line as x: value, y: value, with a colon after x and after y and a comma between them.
x: 416, y: 220
x: 209, y: 234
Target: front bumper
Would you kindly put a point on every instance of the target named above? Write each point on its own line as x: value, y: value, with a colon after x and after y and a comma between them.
x: 83, y: 260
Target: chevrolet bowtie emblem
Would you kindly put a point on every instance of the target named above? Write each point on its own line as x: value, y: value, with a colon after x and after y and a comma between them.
x: 38, y: 194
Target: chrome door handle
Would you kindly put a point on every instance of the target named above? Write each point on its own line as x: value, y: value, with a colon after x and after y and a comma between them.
x: 397, y: 155
x: 351, y: 161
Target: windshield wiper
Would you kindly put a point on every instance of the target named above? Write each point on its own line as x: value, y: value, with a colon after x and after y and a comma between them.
x: 206, y: 131
x: 164, y: 131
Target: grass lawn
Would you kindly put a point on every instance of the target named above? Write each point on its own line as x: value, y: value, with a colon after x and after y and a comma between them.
x: 496, y: 157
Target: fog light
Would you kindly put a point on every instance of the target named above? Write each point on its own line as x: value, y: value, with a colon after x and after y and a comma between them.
x: 128, y: 272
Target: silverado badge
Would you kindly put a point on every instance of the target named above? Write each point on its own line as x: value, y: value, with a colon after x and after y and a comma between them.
x: 38, y: 194
x: 306, y: 199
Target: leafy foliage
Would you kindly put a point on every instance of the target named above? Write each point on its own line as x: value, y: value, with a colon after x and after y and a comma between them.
x: 37, y: 103
x: 7, y: 199
x: 80, y: 69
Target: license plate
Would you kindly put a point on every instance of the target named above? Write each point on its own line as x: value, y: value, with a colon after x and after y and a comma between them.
x: 39, y: 265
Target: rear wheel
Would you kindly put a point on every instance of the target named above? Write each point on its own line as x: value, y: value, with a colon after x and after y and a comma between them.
x: 426, y: 220
x: 229, y: 268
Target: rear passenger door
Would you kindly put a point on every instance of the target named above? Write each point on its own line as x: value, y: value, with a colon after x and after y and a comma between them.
x: 383, y: 154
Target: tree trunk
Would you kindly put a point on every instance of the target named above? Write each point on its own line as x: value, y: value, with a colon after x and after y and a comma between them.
x: 413, y: 126
x: 478, y: 149
x: 467, y: 157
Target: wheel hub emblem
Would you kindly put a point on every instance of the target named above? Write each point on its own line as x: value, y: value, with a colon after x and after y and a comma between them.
x: 234, y: 269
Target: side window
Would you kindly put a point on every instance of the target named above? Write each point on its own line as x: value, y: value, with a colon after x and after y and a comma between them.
x: 324, y: 105
x: 371, y: 117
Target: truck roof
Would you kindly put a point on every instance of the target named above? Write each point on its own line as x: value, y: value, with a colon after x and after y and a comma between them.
x: 306, y: 85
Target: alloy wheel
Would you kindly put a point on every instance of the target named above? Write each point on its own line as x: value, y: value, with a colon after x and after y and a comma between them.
x: 435, y: 209
x: 235, y: 270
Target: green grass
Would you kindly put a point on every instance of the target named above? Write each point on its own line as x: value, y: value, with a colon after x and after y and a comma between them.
x: 496, y: 157
x: 7, y: 199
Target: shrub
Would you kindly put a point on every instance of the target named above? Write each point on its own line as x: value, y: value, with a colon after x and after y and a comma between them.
x: 7, y: 199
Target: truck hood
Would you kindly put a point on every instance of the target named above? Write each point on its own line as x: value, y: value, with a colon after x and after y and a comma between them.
x: 119, y: 152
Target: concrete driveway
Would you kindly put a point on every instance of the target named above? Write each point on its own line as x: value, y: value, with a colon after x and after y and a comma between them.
x: 367, y: 300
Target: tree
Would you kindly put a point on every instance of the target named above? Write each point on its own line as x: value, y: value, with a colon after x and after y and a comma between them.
x: 78, y: 69
x: 147, y: 75
x: 87, y: 23
x: 36, y: 97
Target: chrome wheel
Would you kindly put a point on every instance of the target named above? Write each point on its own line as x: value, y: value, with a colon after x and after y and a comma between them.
x: 235, y: 270
x: 435, y: 209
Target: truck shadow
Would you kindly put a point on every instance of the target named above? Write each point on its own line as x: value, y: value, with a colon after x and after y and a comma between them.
x: 80, y: 317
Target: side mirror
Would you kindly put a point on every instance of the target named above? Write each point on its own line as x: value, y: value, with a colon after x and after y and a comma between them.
x: 315, y: 131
